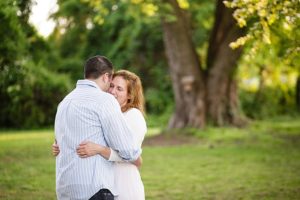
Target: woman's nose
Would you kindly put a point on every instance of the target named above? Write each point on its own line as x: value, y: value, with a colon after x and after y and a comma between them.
x: 113, y: 91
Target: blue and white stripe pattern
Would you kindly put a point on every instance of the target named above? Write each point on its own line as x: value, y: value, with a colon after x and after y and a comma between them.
x: 89, y: 114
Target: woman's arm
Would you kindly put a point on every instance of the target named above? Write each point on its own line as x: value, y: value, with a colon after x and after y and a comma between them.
x: 87, y: 149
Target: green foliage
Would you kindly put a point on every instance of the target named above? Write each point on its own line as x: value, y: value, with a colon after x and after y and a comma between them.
x: 267, y: 83
x: 272, y: 50
x: 12, y: 38
x: 269, y: 22
x: 202, y: 18
x: 269, y: 103
x: 159, y: 121
x: 36, y: 94
x: 29, y: 92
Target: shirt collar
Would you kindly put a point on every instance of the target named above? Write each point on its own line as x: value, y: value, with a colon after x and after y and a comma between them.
x: 87, y: 83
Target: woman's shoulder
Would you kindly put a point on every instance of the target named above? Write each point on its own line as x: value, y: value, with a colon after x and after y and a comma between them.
x: 134, y: 113
x: 136, y: 119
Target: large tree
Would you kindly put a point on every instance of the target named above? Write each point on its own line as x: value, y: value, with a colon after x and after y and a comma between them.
x: 209, y: 92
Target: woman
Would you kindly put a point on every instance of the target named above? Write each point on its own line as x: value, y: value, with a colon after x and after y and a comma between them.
x: 126, y: 87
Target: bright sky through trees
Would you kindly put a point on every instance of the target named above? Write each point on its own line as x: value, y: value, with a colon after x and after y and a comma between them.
x: 41, y: 11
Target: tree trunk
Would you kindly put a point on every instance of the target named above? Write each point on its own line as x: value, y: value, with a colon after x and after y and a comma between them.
x: 222, y: 99
x: 187, y: 78
x: 201, y: 94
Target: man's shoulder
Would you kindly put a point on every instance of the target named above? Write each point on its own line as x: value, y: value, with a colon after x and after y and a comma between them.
x: 68, y: 96
x: 103, y: 97
x: 87, y: 93
x: 92, y: 98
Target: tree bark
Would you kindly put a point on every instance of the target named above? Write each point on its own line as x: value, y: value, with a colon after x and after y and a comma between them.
x: 203, y: 94
x: 222, y: 99
x: 186, y: 74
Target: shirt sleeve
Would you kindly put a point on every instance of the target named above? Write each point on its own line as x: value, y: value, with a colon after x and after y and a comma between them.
x: 117, y: 133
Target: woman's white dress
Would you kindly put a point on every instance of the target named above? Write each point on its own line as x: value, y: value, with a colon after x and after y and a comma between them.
x: 127, y: 176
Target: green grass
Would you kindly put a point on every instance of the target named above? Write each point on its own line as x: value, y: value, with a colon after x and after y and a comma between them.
x: 259, y: 162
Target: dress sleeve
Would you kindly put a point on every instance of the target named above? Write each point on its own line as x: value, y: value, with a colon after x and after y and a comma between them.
x: 114, y: 156
x: 137, y: 124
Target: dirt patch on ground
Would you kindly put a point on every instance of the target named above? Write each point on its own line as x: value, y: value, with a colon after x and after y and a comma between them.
x: 170, y: 140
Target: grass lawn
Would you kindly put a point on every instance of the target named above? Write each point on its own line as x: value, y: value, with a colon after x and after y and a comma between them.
x: 259, y: 162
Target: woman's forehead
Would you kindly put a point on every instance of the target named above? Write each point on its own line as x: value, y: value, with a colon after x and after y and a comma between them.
x: 119, y: 81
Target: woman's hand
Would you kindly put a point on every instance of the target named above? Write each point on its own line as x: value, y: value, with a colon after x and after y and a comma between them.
x: 87, y: 149
x: 55, y: 149
x: 138, y: 162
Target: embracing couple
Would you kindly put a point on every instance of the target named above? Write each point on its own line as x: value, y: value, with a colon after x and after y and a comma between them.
x: 99, y: 130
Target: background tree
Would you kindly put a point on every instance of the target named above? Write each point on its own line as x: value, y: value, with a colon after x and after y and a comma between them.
x: 203, y: 92
x: 29, y: 92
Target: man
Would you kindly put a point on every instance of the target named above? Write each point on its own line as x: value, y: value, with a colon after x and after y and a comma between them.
x: 89, y: 113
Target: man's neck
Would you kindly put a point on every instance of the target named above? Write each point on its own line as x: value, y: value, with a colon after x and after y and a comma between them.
x: 99, y: 83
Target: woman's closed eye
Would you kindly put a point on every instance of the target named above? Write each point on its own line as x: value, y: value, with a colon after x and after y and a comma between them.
x: 120, y: 89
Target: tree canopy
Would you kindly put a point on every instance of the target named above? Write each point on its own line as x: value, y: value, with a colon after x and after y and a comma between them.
x: 271, y: 23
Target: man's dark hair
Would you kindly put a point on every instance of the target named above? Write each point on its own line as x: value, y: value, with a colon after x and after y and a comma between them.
x: 97, y: 66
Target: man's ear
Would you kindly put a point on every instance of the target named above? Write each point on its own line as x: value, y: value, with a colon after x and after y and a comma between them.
x: 104, y: 78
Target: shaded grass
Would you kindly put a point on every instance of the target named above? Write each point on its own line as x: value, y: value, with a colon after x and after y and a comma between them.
x: 259, y: 162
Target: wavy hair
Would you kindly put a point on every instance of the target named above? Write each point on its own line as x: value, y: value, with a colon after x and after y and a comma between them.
x: 134, y: 90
